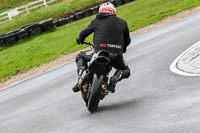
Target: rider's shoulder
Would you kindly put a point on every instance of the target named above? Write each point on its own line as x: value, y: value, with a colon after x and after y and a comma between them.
x: 122, y: 21
x: 94, y: 20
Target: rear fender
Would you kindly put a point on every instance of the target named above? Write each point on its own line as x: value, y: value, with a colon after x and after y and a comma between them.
x: 100, y: 63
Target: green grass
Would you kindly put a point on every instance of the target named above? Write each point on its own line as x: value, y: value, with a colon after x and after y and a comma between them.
x: 6, y: 5
x: 49, y: 46
x: 54, y: 11
x: 144, y: 12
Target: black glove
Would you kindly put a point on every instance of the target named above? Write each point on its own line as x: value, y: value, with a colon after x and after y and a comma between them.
x: 79, y: 41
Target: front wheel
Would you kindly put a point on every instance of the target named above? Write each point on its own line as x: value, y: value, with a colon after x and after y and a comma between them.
x: 94, y: 97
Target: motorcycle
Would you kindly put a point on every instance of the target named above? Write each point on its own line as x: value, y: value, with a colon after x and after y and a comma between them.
x: 95, y: 85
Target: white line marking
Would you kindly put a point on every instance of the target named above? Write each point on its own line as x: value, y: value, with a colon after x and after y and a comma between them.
x: 173, y: 66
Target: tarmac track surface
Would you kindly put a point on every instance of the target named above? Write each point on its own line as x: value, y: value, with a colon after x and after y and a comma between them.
x: 152, y: 100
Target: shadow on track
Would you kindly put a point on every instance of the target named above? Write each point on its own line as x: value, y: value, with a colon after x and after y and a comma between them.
x: 122, y: 105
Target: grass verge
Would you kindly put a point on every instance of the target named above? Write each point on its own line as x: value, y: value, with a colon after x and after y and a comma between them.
x: 6, y: 5
x: 46, y: 47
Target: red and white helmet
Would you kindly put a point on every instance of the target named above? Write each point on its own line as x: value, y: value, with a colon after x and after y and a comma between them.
x: 107, y: 7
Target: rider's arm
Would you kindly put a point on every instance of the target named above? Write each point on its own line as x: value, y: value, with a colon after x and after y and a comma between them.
x: 87, y: 31
x: 127, y: 38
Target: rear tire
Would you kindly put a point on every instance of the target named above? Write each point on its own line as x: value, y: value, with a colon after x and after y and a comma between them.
x: 94, y: 97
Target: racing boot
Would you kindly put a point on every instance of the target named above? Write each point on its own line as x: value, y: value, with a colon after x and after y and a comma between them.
x: 118, y: 76
x: 76, y: 88
x: 114, y: 79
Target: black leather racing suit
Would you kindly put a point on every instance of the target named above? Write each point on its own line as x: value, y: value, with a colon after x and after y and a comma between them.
x: 111, y: 34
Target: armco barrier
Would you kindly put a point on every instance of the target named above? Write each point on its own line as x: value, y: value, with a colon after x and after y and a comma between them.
x: 78, y: 15
x: 62, y: 21
x: 48, y: 24
x: 95, y: 9
x: 56, y: 23
x: 2, y: 42
x: 113, y: 2
x: 21, y: 34
x: 10, y: 38
x: 119, y: 2
x: 71, y: 18
x: 32, y: 29
x: 87, y: 12
x: 127, y: 1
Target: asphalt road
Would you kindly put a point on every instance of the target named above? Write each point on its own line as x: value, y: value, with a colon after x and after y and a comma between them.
x: 152, y: 100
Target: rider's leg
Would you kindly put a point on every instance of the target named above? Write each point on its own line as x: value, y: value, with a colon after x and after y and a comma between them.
x: 122, y: 72
x: 118, y: 76
x: 81, y: 61
x: 80, y: 69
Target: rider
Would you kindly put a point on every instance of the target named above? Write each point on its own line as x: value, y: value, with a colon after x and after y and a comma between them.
x: 111, y: 34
